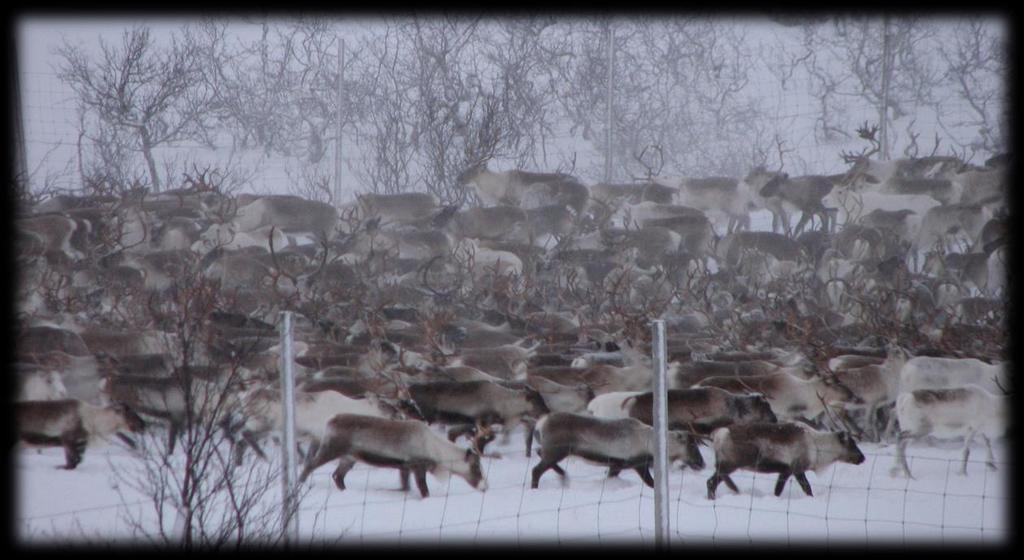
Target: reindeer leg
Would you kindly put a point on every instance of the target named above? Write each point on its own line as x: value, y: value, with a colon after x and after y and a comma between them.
x: 802, y: 479
x: 781, y: 482
x: 804, y: 218
x: 323, y: 456
x: 529, y: 424
x: 344, y: 465
x: 890, y: 426
x: 74, y: 442
x: 549, y: 460
x: 403, y: 476
x: 250, y: 438
x: 901, y: 452
x: 172, y: 437
x: 873, y: 421
x: 990, y: 458
x: 645, y: 474
x: 729, y: 482
x: 722, y: 471
x: 420, y: 471
x: 482, y: 435
x: 967, y: 451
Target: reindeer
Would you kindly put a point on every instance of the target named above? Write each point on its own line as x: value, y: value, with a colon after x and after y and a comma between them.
x: 725, y: 195
x: 287, y: 213
x: 166, y: 398
x: 950, y: 413
x: 789, y: 449
x: 493, y: 222
x: 399, y: 208
x: 697, y: 410
x: 54, y: 232
x: 474, y: 405
x: 928, y: 372
x: 37, y: 384
x: 805, y: 193
x: 510, y: 187
x: 874, y: 384
x: 624, y: 443
x: 633, y: 193
x: 791, y: 397
x: 603, y: 378
x: 262, y: 410
x: 40, y: 339
x: 73, y: 424
x: 507, y: 361
x: 407, y: 445
x: 943, y: 221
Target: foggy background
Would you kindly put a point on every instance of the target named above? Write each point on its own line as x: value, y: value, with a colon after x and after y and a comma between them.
x: 420, y: 98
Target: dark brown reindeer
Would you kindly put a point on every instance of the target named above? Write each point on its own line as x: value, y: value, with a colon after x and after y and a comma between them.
x: 72, y: 424
x: 788, y: 449
x: 472, y: 406
x: 699, y: 410
x: 624, y: 443
x: 804, y: 193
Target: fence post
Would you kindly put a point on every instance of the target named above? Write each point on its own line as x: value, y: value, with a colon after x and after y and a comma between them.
x: 660, y: 391
x: 17, y: 116
x: 340, y: 116
x: 610, y: 36
x: 290, y: 525
x: 883, y: 116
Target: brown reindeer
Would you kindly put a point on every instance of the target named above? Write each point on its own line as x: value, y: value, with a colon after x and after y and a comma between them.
x: 408, y: 445
x: 788, y: 449
x: 624, y: 443
x: 72, y: 424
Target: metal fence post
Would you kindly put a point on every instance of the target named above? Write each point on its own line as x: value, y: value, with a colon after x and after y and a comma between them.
x: 660, y: 391
x: 610, y: 34
x: 341, y: 124
x: 290, y: 525
x: 886, y: 78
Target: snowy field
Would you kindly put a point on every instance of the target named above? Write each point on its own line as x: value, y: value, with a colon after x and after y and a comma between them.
x: 861, y: 504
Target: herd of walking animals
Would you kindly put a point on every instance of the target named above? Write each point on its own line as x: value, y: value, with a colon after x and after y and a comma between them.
x: 880, y: 316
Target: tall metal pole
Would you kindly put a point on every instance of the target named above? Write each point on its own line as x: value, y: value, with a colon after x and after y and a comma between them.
x: 886, y: 72
x: 660, y: 390
x: 290, y: 527
x: 20, y: 161
x: 341, y: 125
x: 610, y: 37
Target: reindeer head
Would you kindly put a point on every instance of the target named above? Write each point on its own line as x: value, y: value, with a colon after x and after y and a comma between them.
x: 850, y: 452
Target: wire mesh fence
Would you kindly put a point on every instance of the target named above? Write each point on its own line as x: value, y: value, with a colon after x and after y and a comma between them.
x: 852, y: 505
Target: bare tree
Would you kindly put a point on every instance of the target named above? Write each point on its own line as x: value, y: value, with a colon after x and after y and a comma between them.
x: 142, y: 87
x: 199, y: 496
x: 278, y: 92
x: 842, y: 60
x: 680, y: 83
x: 447, y: 93
x: 976, y: 67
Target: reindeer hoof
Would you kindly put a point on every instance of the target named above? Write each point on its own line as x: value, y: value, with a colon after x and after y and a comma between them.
x: 991, y: 466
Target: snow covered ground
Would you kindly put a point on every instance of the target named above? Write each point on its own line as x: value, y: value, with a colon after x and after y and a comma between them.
x: 861, y: 504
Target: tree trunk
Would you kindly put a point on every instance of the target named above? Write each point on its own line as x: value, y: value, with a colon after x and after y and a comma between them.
x: 147, y: 152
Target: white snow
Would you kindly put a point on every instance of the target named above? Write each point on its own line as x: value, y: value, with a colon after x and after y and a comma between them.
x: 860, y: 504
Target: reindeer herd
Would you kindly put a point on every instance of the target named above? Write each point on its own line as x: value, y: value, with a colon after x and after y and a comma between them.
x: 884, y: 323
